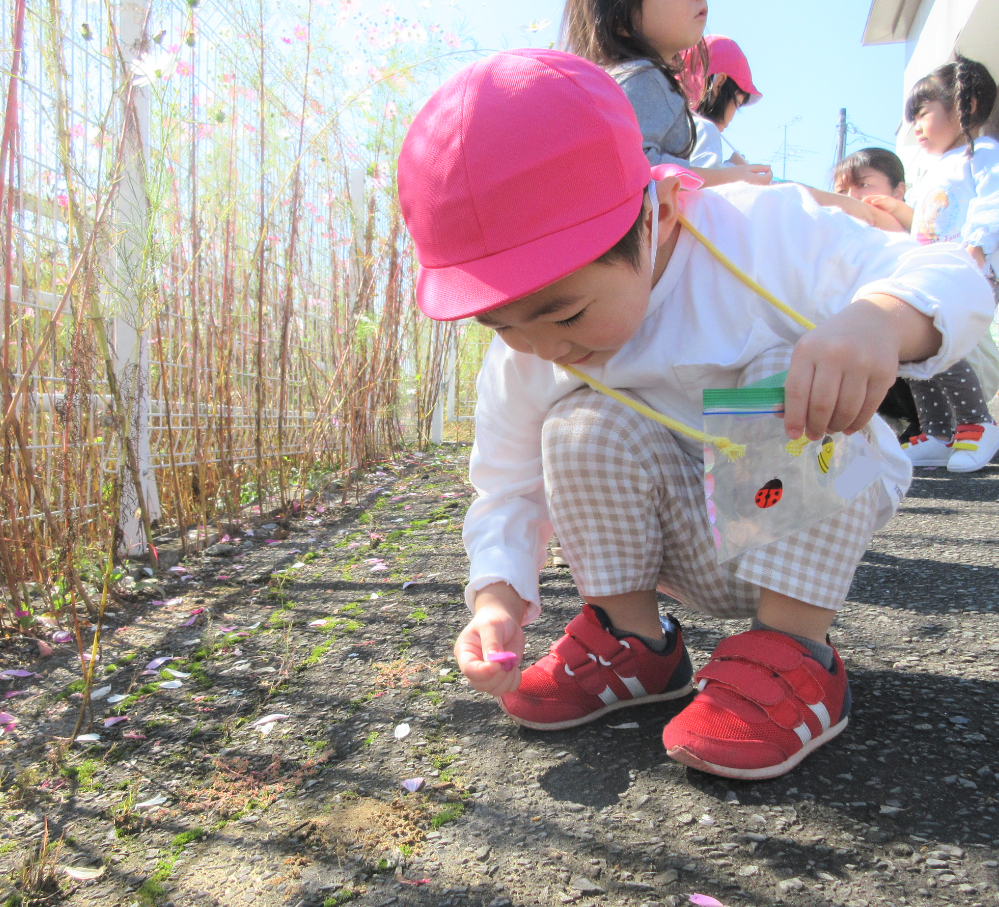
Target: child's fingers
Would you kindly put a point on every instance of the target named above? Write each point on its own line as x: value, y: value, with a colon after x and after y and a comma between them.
x: 797, y: 390
x: 473, y: 646
x: 853, y: 397
x: 875, y: 394
x: 822, y: 400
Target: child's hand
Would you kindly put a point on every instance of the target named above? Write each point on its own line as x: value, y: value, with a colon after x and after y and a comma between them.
x: 758, y: 174
x: 841, y: 370
x: 494, y: 628
x: 899, y: 210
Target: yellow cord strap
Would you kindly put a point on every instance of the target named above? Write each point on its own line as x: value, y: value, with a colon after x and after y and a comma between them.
x: 741, y: 275
x: 724, y: 445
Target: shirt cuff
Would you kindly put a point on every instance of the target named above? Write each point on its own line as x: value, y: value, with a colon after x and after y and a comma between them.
x: 944, y: 356
x: 499, y: 565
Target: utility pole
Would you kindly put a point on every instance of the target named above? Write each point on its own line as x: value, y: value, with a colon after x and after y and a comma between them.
x: 841, y: 144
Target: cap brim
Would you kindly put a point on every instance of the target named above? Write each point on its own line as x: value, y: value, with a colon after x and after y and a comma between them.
x: 469, y: 289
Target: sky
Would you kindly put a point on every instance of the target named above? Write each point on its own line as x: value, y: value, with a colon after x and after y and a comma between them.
x: 805, y: 56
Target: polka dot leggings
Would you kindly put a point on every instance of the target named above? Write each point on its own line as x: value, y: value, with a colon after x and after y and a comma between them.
x: 952, y: 398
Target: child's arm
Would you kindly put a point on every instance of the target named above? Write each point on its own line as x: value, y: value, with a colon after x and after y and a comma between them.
x: 897, y: 209
x: 980, y: 234
x: 841, y: 370
x: 758, y: 174
x: 660, y: 110
x: 868, y: 213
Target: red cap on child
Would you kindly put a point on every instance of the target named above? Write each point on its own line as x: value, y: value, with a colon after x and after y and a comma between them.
x: 521, y: 169
x: 724, y: 55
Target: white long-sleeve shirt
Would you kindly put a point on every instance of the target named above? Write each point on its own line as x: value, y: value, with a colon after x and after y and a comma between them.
x: 702, y: 328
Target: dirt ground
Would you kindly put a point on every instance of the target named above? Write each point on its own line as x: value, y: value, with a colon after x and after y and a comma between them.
x: 336, y: 627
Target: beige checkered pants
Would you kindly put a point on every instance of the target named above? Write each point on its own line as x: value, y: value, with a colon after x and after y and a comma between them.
x: 627, y: 503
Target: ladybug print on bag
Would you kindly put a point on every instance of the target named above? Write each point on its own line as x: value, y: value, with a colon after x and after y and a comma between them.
x: 770, y: 494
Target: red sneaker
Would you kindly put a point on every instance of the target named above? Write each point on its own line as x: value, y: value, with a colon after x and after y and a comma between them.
x: 590, y: 672
x: 764, y: 704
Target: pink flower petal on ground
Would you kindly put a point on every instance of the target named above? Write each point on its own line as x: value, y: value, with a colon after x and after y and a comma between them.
x: 408, y: 584
x: 44, y: 649
x: 133, y: 735
x: 377, y: 568
x: 12, y: 693
x: 17, y: 672
x: 318, y: 623
x: 157, y: 663
x: 226, y: 629
x: 178, y: 569
x: 62, y: 636
x: 7, y: 721
x: 703, y: 900
x: 193, y: 619
x: 507, y: 660
x: 354, y: 545
x: 413, y: 784
x: 117, y: 719
x: 272, y: 542
x: 415, y: 881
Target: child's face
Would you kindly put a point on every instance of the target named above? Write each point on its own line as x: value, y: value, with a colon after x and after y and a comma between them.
x: 671, y: 26
x: 937, y: 129
x: 869, y: 182
x: 582, y: 319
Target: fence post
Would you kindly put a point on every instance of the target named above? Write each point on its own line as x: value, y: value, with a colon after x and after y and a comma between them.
x: 131, y: 349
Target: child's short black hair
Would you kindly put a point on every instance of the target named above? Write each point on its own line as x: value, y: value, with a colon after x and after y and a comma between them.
x: 880, y: 159
x: 965, y: 86
x: 714, y: 103
x: 628, y: 248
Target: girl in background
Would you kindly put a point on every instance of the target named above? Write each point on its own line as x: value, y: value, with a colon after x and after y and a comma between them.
x: 957, y: 200
x: 728, y: 87
x: 641, y: 43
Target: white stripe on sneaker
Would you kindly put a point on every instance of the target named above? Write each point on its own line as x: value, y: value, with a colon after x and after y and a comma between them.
x: 608, y: 696
x: 822, y: 713
x: 803, y: 733
x: 634, y: 686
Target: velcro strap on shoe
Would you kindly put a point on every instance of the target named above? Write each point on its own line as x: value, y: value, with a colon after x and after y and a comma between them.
x: 742, y: 686
x: 594, y: 638
x: 585, y: 670
x: 749, y: 681
x: 774, y: 650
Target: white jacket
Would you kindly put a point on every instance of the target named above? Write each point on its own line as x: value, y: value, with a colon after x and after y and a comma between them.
x: 702, y: 328
x: 957, y: 200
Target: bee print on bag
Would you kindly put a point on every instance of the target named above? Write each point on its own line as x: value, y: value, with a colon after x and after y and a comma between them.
x: 825, y: 454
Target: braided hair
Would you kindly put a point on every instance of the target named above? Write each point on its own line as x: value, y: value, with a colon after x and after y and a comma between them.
x: 604, y: 32
x: 965, y: 86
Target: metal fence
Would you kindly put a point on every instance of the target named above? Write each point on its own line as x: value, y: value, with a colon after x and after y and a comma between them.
x: 206, y: 274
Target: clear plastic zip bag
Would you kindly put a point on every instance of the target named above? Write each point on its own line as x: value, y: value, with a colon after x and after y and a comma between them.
x: 777, y: 487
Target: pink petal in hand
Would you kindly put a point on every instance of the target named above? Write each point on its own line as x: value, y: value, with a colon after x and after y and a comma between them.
x: 507, y: 660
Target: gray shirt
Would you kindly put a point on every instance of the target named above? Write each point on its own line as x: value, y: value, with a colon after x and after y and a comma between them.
x: 661, y: 111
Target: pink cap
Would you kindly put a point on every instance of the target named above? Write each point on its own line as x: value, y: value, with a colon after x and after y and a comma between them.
x: 724, y: 55
x: 521, y: 169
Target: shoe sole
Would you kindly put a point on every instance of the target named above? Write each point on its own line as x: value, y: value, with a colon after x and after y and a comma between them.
x: 593, y: 716
x: 684, y: 756
x: 929, y: 463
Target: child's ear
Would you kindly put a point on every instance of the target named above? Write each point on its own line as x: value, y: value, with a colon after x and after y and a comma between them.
x: 668, y: 192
